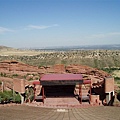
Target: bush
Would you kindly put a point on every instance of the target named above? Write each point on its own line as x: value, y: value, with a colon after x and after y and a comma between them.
x: 9, y: 96
x: 31, y: 98
x: 6, y: 96
x: 15, y: 75
x: 17, y: 98
x: 30, y: 79
x: 117, y: 78
x: 29, y: 94
x: 3, y: 74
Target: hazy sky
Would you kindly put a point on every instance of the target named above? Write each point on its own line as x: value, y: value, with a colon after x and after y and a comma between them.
x: 45, y: 23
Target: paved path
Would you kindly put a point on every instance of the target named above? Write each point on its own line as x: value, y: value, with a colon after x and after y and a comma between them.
x: 37, y: 113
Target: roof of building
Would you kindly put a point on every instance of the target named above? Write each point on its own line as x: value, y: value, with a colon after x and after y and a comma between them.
x: 55, y: 77
x: 61, y: 79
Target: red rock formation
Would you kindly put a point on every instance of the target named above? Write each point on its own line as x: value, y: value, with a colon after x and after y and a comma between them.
x: 28, y: 72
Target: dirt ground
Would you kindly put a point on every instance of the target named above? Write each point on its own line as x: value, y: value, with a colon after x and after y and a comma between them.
x: 22, y: 52
x: 22, y: 112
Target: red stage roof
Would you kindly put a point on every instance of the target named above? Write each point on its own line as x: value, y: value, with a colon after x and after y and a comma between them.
x: 52, y: 77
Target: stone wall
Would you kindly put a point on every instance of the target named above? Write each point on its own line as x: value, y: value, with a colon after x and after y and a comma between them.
x: 109, y: 84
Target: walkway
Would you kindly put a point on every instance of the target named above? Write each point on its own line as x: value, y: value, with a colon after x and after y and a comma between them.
x: 37, y: 113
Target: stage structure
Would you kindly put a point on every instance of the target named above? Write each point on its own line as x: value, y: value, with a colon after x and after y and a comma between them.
x: 57, y: 85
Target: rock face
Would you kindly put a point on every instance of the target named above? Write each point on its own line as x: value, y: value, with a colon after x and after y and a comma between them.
x: 86, y: 70
x: 17, y: 66
x: 10, y: 70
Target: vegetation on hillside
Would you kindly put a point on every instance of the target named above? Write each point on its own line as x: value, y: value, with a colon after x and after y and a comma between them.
x: 94, y: 58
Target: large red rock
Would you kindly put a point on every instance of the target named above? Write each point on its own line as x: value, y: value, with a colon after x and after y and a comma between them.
x: 15, y: 69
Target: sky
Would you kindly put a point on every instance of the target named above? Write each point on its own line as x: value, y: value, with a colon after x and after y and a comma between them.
x: 56, y: 23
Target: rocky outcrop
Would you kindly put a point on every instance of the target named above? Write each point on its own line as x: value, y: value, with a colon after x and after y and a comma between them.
x: 17, y: 66
x: 82, y: 69
x: 10, y: 70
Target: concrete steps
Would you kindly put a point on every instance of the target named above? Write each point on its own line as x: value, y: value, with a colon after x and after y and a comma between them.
x: 64, y: 102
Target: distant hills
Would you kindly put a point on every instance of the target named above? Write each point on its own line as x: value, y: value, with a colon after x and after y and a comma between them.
x: 81, y: 47
x: 67, y: 48
x: 4, y: 47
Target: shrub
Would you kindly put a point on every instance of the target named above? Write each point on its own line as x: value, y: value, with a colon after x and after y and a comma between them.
x: 9, y: 96
x: 117, y: 78
x: 37, y: 78
x: 31, y: 98
x: 30, y: 79
x: 3, y: 74
x: 17, y: 98
x: 15, y: 75
x: 29, y: 93
x: 6, y: 96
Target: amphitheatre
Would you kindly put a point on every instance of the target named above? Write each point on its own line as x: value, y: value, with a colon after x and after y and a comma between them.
x: 60, y: 90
